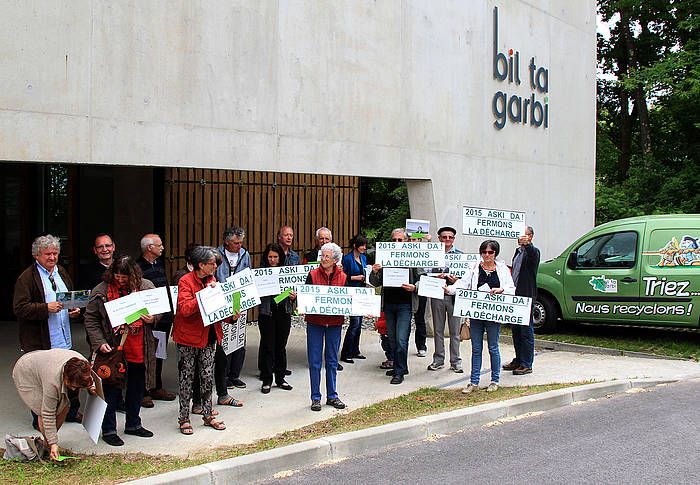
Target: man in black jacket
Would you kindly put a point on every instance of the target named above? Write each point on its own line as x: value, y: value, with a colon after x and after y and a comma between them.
x: 525, y: 263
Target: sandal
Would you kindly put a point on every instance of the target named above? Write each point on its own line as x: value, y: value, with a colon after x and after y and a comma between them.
x: 229, y: 401
x: 213, y: 423
x: 200, y: 410
x: 186, y: 427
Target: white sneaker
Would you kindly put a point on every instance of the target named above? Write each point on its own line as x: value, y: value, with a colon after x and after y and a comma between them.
x: 470, y: 388
x: 492, y: 387
x: 422, y: 353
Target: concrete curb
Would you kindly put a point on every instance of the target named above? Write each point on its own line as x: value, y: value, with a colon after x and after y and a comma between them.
x: 266, y: 464
x: 587, y: 349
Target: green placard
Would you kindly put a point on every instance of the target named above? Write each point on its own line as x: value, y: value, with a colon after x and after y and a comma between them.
x: 282, y: 296
x: 136, y: 315
x: 236, y: 303
x: 418, y: 235
x: 61, y: 458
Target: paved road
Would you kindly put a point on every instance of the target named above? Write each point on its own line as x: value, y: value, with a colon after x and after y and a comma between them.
x: 645, y: 437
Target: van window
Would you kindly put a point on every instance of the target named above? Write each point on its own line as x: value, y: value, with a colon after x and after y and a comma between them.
x: 616, y: 250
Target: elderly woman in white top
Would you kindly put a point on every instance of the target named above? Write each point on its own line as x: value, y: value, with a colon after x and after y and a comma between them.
x: 494, y: 273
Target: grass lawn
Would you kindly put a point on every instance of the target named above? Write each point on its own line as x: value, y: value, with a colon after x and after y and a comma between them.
x: 114, y: 468
x: 679, y: 343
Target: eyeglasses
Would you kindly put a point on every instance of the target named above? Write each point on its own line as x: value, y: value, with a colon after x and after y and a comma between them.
x: 488, y: 252
x: 396, y: 239
x: 53, y: 283
x: 447, y: 237
x: 105, y: 246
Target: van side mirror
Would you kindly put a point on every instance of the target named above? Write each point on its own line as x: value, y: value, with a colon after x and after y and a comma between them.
x: 572, y: 261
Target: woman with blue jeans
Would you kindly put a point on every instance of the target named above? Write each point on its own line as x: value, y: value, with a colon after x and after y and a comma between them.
x: 496, y: 275
x: 354, y: 264
x: 324, y: 330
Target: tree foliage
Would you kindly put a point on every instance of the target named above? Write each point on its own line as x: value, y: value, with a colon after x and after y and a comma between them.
x: 383, y: 207
x: 648, y: 134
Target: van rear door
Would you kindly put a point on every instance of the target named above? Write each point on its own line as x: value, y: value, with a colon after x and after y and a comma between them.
x: 602, y: 275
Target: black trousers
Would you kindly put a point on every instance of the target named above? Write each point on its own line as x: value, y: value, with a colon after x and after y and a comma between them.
x: 421, y: 330
x: 274, y: 334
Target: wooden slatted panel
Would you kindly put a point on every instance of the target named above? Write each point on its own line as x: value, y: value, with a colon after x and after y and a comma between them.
x: 260, y: 202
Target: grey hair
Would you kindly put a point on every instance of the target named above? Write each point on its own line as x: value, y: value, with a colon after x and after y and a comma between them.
x: 324, y: 228
x: 401, y: 230
x: 145, y: 242
x: 234, y: 231
x: 201, y: 254
x: 529, y: 228
x: 44, y: 242
x: 333, y: 248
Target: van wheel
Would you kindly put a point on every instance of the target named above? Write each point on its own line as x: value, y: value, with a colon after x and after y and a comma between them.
x: 545, y: 315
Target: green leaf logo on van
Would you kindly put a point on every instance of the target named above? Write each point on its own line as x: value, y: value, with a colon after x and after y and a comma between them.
x: 603, y: 284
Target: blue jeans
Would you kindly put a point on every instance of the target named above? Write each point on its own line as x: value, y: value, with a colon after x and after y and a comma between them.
x: 135, y: 385
x: 398, y: 326
x: 351, y: 343
x: 316, y: 335
x: 493, y: 329
x: 524, y: 343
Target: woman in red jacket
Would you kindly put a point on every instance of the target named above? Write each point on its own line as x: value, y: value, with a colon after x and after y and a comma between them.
x: 195, y: 341
x: 325, y: 328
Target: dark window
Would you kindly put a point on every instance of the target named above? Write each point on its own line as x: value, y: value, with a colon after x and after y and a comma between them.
x: 617, y: 250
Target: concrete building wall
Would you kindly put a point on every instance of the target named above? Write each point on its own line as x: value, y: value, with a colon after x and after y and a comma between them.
x: 385, y: 88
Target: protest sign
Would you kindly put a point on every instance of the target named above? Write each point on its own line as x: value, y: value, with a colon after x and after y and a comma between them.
x: 276, y: 279
x: 431, y: 287
x: 459, y: 262
x: 213, y: 309
x: 501, y: 308
x: 173, y: 297
x: 394, y: 277
x: 127, y: 309
x: 411, y: 254
x: 479, y: 221
x: 336, y: 300
x: 73, y: 299
x: 234, y: 334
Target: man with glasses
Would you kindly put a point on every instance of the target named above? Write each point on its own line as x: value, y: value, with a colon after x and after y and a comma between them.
x: 443, y: 310
x: 323, y: 235
x: 91, y: 274
x: 526, y: 261
x: 43, y: 322
x: 153, y: 269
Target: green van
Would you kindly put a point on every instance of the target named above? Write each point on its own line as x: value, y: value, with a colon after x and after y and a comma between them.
x: 637, y: 271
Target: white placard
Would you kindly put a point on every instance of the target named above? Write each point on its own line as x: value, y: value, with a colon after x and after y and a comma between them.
x: 211, y: 298
x: 479, y: 221
x: 411, y: 254
x: 242, y: 283
x: 155, y: 301
x: 394, y: 277
x: 417, y: 225
x: 95, y: 408
x: 366, y: 305
x: 234, y: 334
x: 459, y: 262
x: 276, y: 279
x: 500, y: 308
x: 73, y: 299
x: 173, y: 297
x: 162, y: 347
x: 431, y: 287
x: 330, y: 300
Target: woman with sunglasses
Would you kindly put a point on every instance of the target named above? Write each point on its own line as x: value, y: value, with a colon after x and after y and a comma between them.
x: 494, y: 273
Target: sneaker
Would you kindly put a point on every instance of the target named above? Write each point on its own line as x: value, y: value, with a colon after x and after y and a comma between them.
x: 238, y: 383
x: 112, y: 440
x: 335, y: 402
x: 521, y: 371
x: 147, y: 402
x: 162, y: 395
x: 422, y: 353
x: 457, y: 369
x: 511, y: 366
x: 470, y: 388
x: 492, y: 387
x: 140, y: 431
x: 435, y: 366
x: 387, y: 364
x: 316, y: 405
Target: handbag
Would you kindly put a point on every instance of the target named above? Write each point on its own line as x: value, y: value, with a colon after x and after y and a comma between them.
x: 111, y: 366
x: 25, y: 448
x: 464, y: 333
